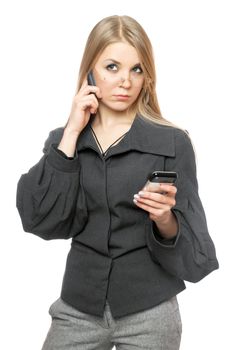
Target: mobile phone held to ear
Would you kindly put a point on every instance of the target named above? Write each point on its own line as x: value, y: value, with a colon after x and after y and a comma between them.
x: 91, y: 79
x: 153, y: 179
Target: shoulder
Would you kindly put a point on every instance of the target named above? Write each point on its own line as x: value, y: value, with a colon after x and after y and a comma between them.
x: 179, y: 135
x: 54, y: 136
x: 168, y: 140
x: 183, y: 142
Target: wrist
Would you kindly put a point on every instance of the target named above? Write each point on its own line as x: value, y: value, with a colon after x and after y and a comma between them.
x: 71, y: 132
x: 68, y: 142
x: 165, y: 220
x: 168, y: 227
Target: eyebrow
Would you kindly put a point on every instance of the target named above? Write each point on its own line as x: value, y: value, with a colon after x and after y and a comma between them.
x: 112, y: 59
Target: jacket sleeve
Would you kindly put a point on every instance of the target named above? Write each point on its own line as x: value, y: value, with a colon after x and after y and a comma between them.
x: 50, y: 199
x: 191, y: 255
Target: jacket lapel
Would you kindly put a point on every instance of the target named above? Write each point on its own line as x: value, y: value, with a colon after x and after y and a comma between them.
x: 144, y: 136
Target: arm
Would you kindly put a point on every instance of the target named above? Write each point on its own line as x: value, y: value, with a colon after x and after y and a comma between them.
x: 50, y: 198
x: 190, y: 255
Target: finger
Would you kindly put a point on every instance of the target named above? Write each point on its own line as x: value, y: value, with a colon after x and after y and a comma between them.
x: 91, y: 89
x: 81, y: 100
x: 163, y: 202
x: 156, y: 196
x: 90, y: 99
x: 152, y: 196
x: 147, y: 203
x: 169, y: 189
x: 87, y: 89
x: 89, y: 103
x: 96, y: 89
x: 152, y: 210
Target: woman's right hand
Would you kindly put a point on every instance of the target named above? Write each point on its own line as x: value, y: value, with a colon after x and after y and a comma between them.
x: 84, y: 104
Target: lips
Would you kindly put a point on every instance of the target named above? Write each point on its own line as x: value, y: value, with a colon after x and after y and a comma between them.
x: 122, y: 97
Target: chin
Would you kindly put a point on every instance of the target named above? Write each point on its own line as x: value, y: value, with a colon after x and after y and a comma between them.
x: 119, y: 106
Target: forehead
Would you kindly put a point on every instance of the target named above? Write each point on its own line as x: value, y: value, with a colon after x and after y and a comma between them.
x: 121, y: 52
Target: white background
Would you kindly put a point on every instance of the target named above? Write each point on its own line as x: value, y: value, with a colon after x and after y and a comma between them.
x: 41, y: 47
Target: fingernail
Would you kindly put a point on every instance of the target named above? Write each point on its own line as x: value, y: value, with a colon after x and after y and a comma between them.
x: 136, y: 196
x: 141, y: 193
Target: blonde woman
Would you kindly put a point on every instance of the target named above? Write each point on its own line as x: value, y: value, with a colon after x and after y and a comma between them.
x: 132, y: 248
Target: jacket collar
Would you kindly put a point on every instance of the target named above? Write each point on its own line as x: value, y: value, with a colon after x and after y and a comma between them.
x: 143, y: 136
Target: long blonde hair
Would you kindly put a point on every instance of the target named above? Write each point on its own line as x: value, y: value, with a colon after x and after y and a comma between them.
x: 114, y: 29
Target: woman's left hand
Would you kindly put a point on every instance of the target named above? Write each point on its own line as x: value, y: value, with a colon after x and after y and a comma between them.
x: 158, y: 204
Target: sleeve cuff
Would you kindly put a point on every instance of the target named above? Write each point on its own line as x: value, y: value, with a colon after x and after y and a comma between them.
x: 61, y: 162
x: 157, y: 238
x: 62, y: 153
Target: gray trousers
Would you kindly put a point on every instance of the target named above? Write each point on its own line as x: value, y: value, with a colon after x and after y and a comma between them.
x: 157, y: 328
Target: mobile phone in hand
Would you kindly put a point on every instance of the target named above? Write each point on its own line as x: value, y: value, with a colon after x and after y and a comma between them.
x: 156, y: 177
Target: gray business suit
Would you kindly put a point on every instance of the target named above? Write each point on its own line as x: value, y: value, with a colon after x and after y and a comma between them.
x: 116, y: 251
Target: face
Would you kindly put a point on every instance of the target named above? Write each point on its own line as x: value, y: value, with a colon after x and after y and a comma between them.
x: 118, y: 74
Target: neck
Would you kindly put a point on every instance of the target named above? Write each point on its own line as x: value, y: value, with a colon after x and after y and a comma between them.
x: 107, y: 118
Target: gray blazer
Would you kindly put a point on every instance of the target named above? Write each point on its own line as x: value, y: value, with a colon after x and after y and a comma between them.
x: 116, y: 250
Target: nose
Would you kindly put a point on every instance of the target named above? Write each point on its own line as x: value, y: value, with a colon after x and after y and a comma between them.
x: 125, y: 81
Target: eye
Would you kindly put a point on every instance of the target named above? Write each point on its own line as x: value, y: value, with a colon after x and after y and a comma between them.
x: 137, y: 69
x: 112, y: 67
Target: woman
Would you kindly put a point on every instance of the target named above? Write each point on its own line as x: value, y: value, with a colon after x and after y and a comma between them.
x: 131, y: 250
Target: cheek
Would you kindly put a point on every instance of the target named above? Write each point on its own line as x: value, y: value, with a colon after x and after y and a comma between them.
x: 136, y: 93
x: 105, y: 86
